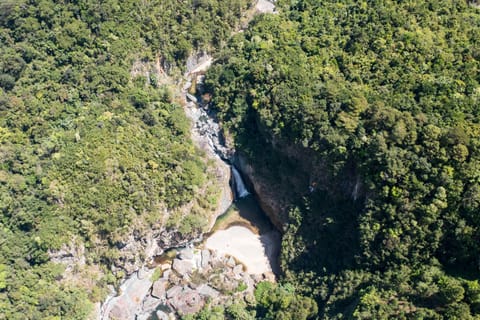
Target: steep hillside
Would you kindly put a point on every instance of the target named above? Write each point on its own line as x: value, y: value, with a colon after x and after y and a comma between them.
x: 95, y: 154
x: 363, y: 118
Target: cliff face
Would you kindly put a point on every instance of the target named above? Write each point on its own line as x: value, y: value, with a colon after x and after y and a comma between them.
x: 282, y: 173
x: 269, y: 197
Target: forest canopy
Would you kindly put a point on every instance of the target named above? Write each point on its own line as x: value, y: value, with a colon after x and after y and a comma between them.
x: 377, y: 103
x: 89, y: 149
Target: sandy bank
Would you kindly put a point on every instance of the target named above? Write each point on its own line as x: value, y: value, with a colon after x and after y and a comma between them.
x: 257, y: 252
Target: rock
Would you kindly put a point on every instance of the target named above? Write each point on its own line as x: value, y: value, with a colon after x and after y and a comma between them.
x: 191, y: 97
x: 194, y: 285
x: 187, y: 302
x: 265, y: 6
x: 182, y: 266
x: 118, y: 312
x: 200, y: 79
x: 166, y: 274
x: 142, y: 316
x: 166, y: 266
x: 206, y: 290
x: 162, y: 315
x: 205, y: 258
x: 269, y: 276
x: 150, y: 304
x: 174, y: 279
x: 197, y: 259
x: 141, y: 274
x: 187, y: 85
x: 133, y: 292
x: 272, y: 199
x: 257, y: 277
x: 249, y: 282
x: 237, y: 270
x: 186, y: 254
x: 159, y: 288
x: 231, y: 262
x: 173, y: 291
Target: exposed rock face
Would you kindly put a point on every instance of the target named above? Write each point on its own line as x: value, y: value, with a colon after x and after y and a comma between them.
x: 70, y: 254
x: 275, y: 195
x: 269, y: 197
x: 174, y: 291
x: 198, y: 62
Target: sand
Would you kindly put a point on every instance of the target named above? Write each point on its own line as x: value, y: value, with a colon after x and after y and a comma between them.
x: 257, y: 253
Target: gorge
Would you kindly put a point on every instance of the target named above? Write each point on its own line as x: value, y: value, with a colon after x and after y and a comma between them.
x: 240, y: 159
x: 242, y: 232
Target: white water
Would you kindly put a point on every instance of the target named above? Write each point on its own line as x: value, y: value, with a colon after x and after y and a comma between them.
x: 240, y: 189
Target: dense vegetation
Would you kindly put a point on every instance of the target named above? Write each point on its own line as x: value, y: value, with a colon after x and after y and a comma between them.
x: 376, y: 106
x: 87, y: 151
x: 270, y: 301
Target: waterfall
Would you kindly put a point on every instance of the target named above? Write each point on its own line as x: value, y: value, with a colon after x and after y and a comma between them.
x: 240, y: 190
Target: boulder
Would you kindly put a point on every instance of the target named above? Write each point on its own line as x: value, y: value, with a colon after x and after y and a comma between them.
x: 191, y: 97
x: 237, y: 270
x: 249, y: 282
x: 166, y: 274
x: 120, y: 312
x: 187, y: 85
x: 173, y: 291
x: 231, y: 262
x: 166, y: 266
x: 162, y: 315
x: 205, y: 258
x: 269, y: 276
x: 133, y: 292
x: 206, y: 290
x: 141, y: 274
x: 150, y: 304
x: 159, y: 288
x: 182, y: 266
x: 186, y: 254
x: 187, y: 302
x: 142, y: 316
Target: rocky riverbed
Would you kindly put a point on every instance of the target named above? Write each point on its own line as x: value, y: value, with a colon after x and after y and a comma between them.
x: 184, y: 284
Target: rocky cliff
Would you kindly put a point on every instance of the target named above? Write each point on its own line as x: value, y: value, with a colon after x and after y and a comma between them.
x: 282, y: 173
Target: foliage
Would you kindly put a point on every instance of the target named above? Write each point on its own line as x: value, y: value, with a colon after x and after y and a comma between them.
x: 88, y: 150
x: 272, y: 301
x: 373, y: 106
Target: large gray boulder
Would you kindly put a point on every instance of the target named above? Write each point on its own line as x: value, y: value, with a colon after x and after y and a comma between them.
x: 174, y: 291
x: 187, y: 302
x: 159, y: 288
x: 183, y: 267
x: 205, y: 258
x: 186, y: 254
x: 206, y: 290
